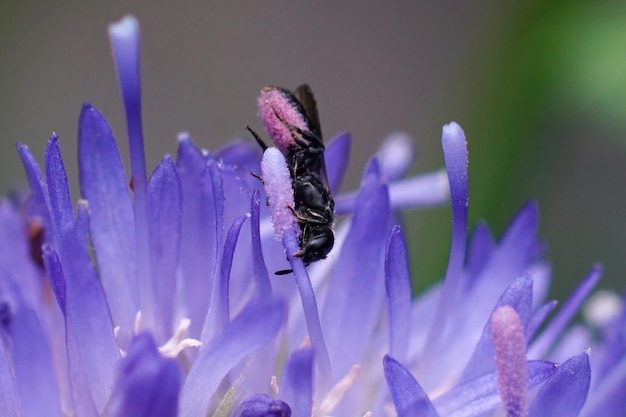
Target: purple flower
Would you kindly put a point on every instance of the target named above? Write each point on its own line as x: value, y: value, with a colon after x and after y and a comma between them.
x: 156, y: 300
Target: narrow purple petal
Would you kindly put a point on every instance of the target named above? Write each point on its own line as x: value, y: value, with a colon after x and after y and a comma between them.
x: 515, y: 253
x: 198, y: 233
x: 455, y: 156
x: 608, y: 397
x: 58, y: 188
x: 425, y: 190
x: 257, y: 324
x: 9, y: 398
x: 538, y: 318
x: 125, y: 42
x: 147, y: 384
x: 398, y: 287
x: 309, y: 305
x: 396, y: 155
x: 421, y: 191
x: 480, y: 250
x: 259, y: 269
x: 565, y: 392
x: 336, y: 158
x: 408, y: 397
x: 296, y: 386
x: 519, y: 240
x: 55, y: 275
x: 33, y: 365
x: 37, y: 184
x: 218, y: 290
x: 519, y: 297
x: 227, y: 262
x: 543, y: 342
x: 164, y: 220
x: 92, y: 350
x: 262, y: 405
x: 510, y: 349
x: 103, y: 184
x: 356, y: 294
x: 480, y: 394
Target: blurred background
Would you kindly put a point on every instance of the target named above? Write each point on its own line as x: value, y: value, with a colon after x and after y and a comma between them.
x: 539, y: 87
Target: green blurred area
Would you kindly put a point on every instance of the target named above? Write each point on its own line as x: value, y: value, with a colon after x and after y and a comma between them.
x: 548, y: 121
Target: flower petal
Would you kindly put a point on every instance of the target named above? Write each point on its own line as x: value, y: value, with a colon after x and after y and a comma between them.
x: 199, y: 234
x: 125, y: 42
x: 542, y: 344
x: 481, y: 394
x: 220, y: 303
x: 33, y: 366
x: 396, y: 155
x: 336, y: 158
x: 309, y: 305
x: 256, y: 325
x: 455, y: 155
x: 398, y: 287
x: 259, y: 270
x: 355, y: 295
x: 519, y: 297
x: 58, y: 188
x: 296, y: 387
x: 92, y: 350
x: 565, y: 392
x: 408, y: 397
x: 421, y: 191
x: 164, y: 218
x: 103, y: 184
x: 9, y: 398
x: 480, y: 249
x: 538, y: 318
x: 38, y: 188
x: 147, y: 384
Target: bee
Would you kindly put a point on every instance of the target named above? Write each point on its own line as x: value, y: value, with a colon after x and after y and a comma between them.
x: 292, y: 122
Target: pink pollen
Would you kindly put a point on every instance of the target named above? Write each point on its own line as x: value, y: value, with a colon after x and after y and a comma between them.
x: 508, y: 338
x: 274, y: 105
x: 279, y: 191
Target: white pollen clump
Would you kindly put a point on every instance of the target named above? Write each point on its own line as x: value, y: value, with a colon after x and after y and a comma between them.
x: 279, y: 191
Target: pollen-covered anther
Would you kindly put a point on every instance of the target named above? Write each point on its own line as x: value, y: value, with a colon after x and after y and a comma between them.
x: 336, y: 394
x: 510, y: 351
x: 279, y: 191
x: 179, y: 341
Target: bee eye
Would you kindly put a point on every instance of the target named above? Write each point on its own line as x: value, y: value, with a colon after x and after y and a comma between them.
x: 322, y: 242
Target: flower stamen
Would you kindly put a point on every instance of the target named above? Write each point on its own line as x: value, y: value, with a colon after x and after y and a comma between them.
x: 336, y: 393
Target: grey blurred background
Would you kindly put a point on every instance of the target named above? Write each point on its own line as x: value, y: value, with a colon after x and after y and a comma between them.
x: 540, y: 90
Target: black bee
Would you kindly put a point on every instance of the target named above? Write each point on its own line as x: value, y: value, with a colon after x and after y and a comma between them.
x: 314, y: 207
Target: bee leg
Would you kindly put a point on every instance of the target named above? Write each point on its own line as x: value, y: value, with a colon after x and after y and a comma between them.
x: 260, y: 141
x: 311, y: 138
x: 258, y: 177
x: 292, y: 210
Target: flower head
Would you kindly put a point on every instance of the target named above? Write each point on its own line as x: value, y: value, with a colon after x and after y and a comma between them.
x: 177, y: 315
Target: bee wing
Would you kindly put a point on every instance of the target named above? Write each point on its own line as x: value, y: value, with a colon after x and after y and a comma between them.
x: 304, y: 95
